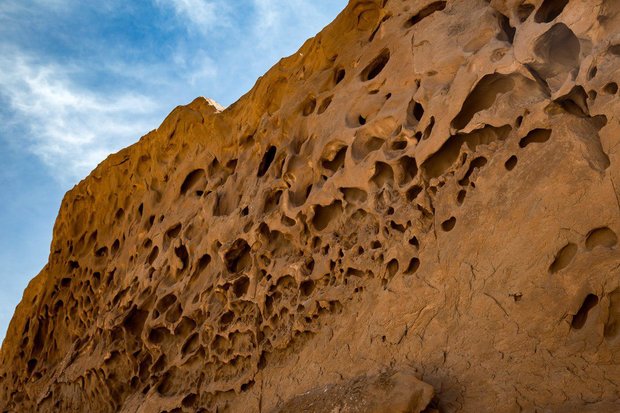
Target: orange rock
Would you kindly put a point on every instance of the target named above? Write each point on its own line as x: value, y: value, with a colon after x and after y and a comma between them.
x: 424, y: 197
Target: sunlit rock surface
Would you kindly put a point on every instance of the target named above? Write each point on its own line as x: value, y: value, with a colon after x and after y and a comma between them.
x: 418, y: 211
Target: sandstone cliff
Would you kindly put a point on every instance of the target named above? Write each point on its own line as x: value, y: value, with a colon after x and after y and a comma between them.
x: 417, y: 211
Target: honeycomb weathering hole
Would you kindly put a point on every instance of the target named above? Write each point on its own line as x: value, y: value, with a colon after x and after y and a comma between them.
x: 601, y: 237
x: 375, y: 186
x: 265, y: 163
x: 425, y: 12
x: 549, y: 10
x: 376, y: 66
x: 563, y: 257
x: 579, y: 319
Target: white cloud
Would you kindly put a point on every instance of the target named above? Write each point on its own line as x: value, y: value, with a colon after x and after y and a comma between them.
x: 63, y: 116
x: 72, y: 126
x: 205, y: 15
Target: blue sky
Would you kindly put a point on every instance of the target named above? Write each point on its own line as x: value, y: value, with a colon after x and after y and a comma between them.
x: 82, y: 79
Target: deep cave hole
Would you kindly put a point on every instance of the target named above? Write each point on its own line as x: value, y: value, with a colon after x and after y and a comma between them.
x: 425, y: 12
x: 549, y: 10
x: 265, y: 163
x: 376, y: 66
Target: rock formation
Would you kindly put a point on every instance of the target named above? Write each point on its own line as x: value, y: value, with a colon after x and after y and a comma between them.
x: 418, y: 211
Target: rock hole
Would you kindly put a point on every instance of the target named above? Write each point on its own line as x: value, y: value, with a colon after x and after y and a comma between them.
x: 227, y: 318
x: 354, y: 195
x: 383, y: 174
x: 398, y: 145
x: 115, y: 246
x: 535, y: 136
x: 559, y: 50
x: 428, y: 130
x: 153, y: 255
x: 339, y: 74
x: 592, y: 73
x: 165, y: 302
x: 324, y: 105
x: 448, y: 225
x: 460, y: 197
x: 408, y: 169
x: 524, y: 11
x: 185, y: 326
x: 592, y: 95
x: 612, y: 326
x: 174, y: 313
x: 238, y: 258
x: 614, y: 49
x: 354, y: 272
x: 425, y: 12
x: 102, y: 252
x: 272, y: 201
x: 306, y: 288
x: 173, y: 231
x: 413, y: 266
x: 289, y: 222
x: 511, y: 163
x: 165, y: 386
x: 507, y: 31
x: 158, y: 335
x: 32, y: 364
x: 601, y: 237
x: 300, y: 196
x: 579, y: 319
x: 324, y: 215
x: 611, y: 88
x: 376, y: 66
x: 575, y: 102
x: 265, y: 163
x: 189, y: 400
x: 413, y: 192
x: 477, y: 163
x: 376, y: 30
x: 308, y: 106
x: 392, y: 267
x: 183, y: 256
x: 240, y: 287
x: 203, y: 262
x: 549, y: 10
x: 363, y: 146
x: 563, y: 258
x: 335, y: 161
x: 415, y: 112
x: 134, y: 321
x: 195, y: 179
x: 482, y: 97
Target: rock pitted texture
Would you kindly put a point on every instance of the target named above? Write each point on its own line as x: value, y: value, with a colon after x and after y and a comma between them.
x: 418, y: 210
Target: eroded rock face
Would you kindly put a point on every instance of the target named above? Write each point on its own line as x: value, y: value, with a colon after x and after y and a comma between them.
x: 427, y: 190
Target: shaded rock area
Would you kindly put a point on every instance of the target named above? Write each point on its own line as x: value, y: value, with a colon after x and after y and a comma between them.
x: 418, y: 211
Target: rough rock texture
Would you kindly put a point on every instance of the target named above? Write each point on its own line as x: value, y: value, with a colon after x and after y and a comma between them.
x: 426, y: 190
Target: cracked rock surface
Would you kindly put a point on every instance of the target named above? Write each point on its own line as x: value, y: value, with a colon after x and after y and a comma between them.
x: 418, y: 211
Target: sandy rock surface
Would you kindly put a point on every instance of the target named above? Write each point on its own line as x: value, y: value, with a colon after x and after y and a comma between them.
x: 418, y: 211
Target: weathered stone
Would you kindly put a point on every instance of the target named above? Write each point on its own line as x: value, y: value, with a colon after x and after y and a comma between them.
x: 426, y: 186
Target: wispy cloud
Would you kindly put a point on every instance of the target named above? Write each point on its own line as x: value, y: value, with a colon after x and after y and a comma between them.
x: 71, y: 128
x: 205, y: 15
x: 72, y: 124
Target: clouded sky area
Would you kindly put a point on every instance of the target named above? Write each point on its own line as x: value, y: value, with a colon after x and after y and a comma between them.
x: 82, y: 79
